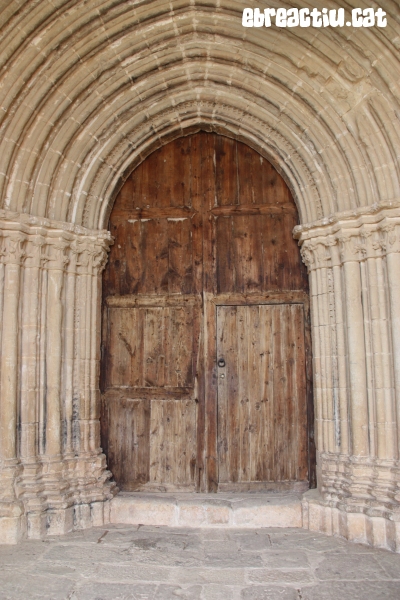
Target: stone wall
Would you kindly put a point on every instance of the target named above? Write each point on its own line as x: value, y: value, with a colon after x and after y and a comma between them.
x: 87, y: 90
x: 53, y: 476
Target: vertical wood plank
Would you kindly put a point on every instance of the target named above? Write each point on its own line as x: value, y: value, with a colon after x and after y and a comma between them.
x: 180, y: 257
x: 226, y: 172
x: 154, y: 238
x: 208, y: 175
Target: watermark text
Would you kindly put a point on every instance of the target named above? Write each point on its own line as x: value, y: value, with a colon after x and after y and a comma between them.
x: 305, y: 17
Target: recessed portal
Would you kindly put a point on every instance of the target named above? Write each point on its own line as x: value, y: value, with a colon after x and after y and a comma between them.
x: 206, y: 354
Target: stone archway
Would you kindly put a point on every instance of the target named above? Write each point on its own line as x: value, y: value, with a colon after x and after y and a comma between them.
x: 82, y: 99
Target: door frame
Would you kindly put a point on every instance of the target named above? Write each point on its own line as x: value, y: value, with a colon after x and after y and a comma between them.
x: 208, y: 409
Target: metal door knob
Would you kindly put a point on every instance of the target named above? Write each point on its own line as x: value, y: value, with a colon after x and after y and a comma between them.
x: 221, y: 362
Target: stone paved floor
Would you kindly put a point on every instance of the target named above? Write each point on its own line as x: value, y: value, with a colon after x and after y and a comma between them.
x: 160, y: 563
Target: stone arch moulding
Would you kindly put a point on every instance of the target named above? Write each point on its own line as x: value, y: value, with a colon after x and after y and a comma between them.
x: 78, y: 110
x: 221, y: 119
x: 58, y: 269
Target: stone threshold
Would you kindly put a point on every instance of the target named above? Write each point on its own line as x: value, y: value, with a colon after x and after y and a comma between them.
x: 247, y: 510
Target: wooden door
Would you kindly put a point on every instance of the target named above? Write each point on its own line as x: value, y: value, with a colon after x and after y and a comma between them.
x: 203, y: 223
x: 262, y: 397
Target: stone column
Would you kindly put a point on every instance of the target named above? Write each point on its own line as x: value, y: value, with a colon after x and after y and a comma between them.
x: 29, y: 415
x: 356, y: 351
x: 12, y: 254
x: 53, y: 475
x: 58, y: 518
x: 354, y: 266
x: 69, y: 439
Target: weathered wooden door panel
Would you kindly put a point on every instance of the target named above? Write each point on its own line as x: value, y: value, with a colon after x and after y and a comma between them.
x: 152, y: 418
x: 202, y: 222
x: 152, y: 347
x: 172, y: 445
x: 262, y: 412
x: 128, y: 439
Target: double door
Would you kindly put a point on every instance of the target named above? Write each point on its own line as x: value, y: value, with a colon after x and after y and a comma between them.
x: 205, y: 370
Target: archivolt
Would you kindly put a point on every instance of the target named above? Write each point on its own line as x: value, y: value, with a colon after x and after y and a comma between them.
x: 89, y: 89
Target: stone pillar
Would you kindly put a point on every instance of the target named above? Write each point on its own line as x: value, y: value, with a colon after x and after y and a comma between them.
x: 53, y: 475
x: 29, y: 357
x: 354, y: 266
x: 356, y: 351
x: 12, y: 254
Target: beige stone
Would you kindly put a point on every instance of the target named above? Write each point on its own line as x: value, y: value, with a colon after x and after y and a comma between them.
x: 142, y: 511
x: 73, y: 125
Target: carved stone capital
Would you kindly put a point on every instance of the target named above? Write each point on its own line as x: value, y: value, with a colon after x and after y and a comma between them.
x: 56, y: 256
x: 100, y: 256
x: 390, y: 235
x: 317, y: 253
x: 351, y: 247
x: 34, y: 251
x: 12, y: 250
x: 92, y: 256
x: 367, y: 235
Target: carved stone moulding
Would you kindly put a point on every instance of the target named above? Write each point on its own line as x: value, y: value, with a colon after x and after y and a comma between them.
x: 372, y: 232
x: 53, y: 476
x: 37, y: 242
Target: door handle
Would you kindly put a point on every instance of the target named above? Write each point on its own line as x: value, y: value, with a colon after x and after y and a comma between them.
x: 221, y: 362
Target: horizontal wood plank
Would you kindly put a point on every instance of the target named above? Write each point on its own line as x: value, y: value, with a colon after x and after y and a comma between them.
x: 131, y: 394
x: 155, y: 300
x: 253, y: 209
x: 169, y: 212
x: 279, y: 297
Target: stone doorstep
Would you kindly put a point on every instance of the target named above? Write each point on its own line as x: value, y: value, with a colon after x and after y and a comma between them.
x: 249, y: 510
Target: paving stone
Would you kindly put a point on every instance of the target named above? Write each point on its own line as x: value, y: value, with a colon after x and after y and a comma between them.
x: 163, y: 564
x: 113, y: 591
x: 254, y: 542
x: 172, y: 559
x: 280, y: 576
x: 122, y: 573
x: 220, y: 592
x: 361, y: 590
x: 22, y: 554
x: 174, y: 592
x: 227, y: 576
x: 390, y: 563
x: 350, y: 567
x: 95, y: 553
x: 46, y: 587
x: 233, y: 559
x: 313, y: 541
x: 220, y: 534
x: 269, y: 593
x: 285, y: 560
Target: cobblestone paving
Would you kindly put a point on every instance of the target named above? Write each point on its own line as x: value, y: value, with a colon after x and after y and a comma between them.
x: 160, y: 563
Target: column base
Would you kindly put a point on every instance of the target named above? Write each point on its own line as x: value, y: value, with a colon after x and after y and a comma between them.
x: 351, y: 523
x: 37, y: 525
x: 12, y: 523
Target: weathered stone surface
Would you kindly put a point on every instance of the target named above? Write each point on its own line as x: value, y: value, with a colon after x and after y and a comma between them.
x: 162, y: 563
x: 202, y: 510
x: 264, y: 592
x: 86, y: 91
x: 354, y: 590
